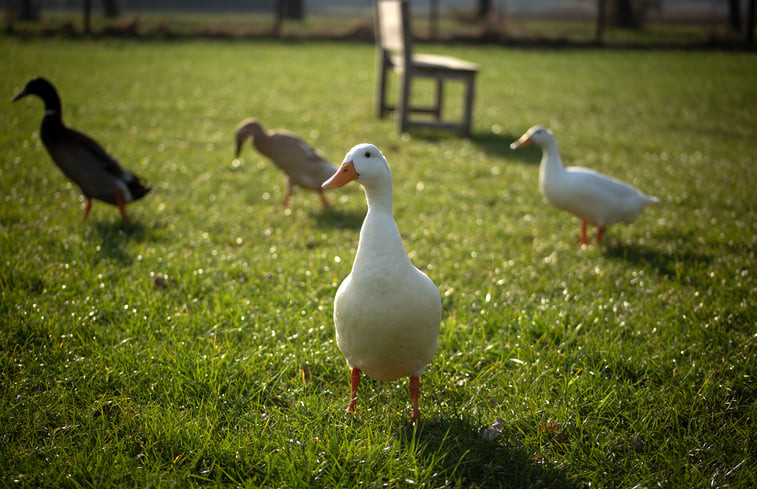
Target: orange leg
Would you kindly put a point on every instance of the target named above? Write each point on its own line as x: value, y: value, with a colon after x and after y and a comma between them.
x: 354, y: 382
x: 120, y: 204
x: 325, y: 202
x: 415, y: 390
x: 584, y: 237
x: 287, y: 195
x: 600, y: 233
x: 87, y: 208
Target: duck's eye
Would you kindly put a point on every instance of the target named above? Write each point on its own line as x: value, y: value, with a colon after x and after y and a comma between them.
x: 367, y: 154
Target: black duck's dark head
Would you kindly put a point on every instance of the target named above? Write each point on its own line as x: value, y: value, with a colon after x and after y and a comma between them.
x: 44, y: 90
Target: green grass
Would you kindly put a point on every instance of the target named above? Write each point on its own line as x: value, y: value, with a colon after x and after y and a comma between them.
x: 629, y: 365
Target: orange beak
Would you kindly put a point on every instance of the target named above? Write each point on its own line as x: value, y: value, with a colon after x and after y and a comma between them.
x: 344, y: 175
x: 524, y: 140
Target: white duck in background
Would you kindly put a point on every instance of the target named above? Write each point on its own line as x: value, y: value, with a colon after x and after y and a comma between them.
x: 302, y: 164
x: 594, y: 198
x: 386, y: 312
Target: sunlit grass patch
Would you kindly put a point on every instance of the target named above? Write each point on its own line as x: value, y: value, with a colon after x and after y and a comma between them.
x: 194, y: 345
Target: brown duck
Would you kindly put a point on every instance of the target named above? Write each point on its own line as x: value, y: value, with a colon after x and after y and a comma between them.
x: 302, y: 164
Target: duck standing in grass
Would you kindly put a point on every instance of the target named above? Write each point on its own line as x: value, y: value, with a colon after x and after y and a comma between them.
x: 386, y: 312
x: 594, y: 198
x: 81, y: 158
x: 302, y: 164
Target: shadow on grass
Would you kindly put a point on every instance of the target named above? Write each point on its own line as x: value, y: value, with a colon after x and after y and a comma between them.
x: 461, y: 455
x: 339, y: 219
x: 115, y: 236
x: 490, y: 143
x: 499, y: 145
x: 673, y: 265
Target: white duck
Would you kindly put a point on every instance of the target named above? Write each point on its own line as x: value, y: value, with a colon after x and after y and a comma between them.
x: 594, y: 198
x: 386, y: 311
x: 302, y: 164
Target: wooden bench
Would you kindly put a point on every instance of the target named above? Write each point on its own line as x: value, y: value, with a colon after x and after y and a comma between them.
x: 395, y: 52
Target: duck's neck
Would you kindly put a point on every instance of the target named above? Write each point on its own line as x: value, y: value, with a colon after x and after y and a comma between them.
x: 259, y: 138
x: 52, y: 104
x: 257, y: 131
x: 52, y: 120
x: 550, y: 159
x: 379, y: 198
x: 380, y: 240
x: 52, y: 116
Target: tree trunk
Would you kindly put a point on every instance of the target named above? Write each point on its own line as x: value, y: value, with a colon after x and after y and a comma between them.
x: 87, y: 15
x: 625, y: 15
x: 110, y: 7
x: 601, y: 9
x: 27, y: 11
x: 484, y: 9
x: 433, y: 20
x: 278, y: 17
x: 734, y: 15
x: 750, y: 24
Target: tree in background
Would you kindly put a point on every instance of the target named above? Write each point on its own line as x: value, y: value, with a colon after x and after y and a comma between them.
x: 629, y: 14
x: 286, y: 9
x: 24, y: 10
x: 484, y: 9
x: 110, y: 8
x: 87, y: 15
x: 601, y: 14
x: 735, y: 20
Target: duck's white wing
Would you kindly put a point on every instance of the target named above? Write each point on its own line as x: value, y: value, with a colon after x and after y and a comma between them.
x: 601, y: 199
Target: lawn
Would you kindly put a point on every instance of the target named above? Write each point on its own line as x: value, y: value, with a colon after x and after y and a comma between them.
x: 194, y: 345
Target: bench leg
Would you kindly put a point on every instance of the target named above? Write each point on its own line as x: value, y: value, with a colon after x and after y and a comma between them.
x: 381, y: 87
x: 439, y: 98
x: 468, y: 110
x: 403, y: 102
